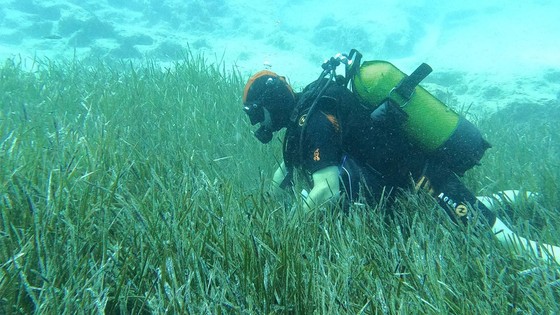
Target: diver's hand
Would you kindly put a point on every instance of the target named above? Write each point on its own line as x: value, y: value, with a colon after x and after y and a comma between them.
x: 326, y: 188
x: 278, y: 178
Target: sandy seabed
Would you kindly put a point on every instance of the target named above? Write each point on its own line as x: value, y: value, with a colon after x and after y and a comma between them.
x: 486, y: 56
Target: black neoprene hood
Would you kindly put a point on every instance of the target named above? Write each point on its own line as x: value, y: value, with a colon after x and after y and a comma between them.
x: 272, y: 92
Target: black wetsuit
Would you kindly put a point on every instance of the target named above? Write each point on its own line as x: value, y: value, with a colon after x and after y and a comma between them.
x: 338, y: 132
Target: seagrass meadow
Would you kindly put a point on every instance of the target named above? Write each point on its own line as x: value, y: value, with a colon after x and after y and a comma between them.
x: 139, y: 189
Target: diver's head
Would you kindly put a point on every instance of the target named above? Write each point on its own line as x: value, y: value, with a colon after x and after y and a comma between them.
x: 269, y: 100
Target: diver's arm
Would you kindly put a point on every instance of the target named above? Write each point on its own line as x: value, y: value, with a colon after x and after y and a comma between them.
x: 278, y: 178
x: 507, y: 237
x: 326, y: 186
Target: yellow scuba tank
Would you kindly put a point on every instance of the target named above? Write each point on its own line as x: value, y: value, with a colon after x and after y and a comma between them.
x: 427, y: 122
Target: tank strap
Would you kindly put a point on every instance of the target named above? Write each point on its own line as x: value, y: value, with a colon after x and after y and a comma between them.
x: 406, y: 87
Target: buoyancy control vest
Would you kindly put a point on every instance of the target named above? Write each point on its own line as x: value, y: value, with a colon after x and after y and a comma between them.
x: 321, y: 96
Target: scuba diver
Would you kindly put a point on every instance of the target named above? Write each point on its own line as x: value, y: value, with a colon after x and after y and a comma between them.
x: 366, y: 142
